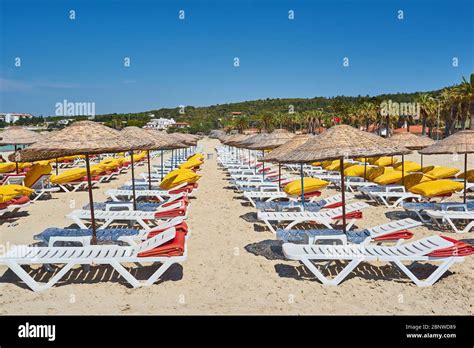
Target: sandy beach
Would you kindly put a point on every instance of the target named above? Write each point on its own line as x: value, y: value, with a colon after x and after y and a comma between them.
x: 234, y: 265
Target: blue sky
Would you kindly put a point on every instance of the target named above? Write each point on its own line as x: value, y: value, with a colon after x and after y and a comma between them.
x: 190, y: 62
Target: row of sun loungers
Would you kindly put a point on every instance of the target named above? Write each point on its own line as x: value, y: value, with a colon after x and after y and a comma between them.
x: 156, y: 232
x: 282, y: 213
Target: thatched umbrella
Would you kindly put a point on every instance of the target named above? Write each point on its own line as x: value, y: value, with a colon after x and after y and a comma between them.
x: 155, y: 144
x: 172, y: 143
x: 282, y: 150
x: 269, y: 142
x: 82, y: 138
x: 411, y: 141
x: 460, y: 142
x: 235, y: 139
x: 19, y: 136
x: 341, y: 142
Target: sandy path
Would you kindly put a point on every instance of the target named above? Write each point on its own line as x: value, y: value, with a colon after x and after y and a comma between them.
x: 222, y: 277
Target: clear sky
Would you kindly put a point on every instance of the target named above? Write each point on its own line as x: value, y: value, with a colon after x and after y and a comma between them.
x: 191, y: 62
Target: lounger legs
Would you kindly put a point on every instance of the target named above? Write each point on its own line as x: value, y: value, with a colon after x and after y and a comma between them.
x: 336, y: 280
x: 136, y: 283
x: 33, y: 284
x: 433, y: 278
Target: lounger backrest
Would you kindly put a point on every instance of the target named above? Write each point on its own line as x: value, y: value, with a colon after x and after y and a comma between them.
x: 419, y: 247
x: 155, y: 241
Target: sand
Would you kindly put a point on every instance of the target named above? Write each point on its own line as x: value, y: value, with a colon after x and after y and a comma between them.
x: 226, y: 271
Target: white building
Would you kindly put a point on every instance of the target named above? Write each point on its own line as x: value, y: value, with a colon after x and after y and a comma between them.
x: 160, y: 123
x: 12, y: 117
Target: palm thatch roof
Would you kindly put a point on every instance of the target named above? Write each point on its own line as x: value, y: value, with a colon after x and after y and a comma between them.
x: 81, y: 138
x: 171, y: 142
x: 272, y: 141
x: 342, y: 141
x: 235, y: 139
x: 411, y: 141
x: 250, y: 140
x: 19, y: 136
x: 140, y: 133
x: 287, y: 147
x: 460, y: 142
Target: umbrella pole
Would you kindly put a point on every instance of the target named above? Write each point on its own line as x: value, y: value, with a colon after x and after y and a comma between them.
x: 249, y: 157
x: 91, y: 201
x: 149, y: 169
x: 57, y: 166
x: 403, y: 170
x: 161, y: 162
x: 263, y: 165
x: 365, y: 169
x: 133, y: 183
x: 302, y: 186
x: 343, y: 192
x: 421, y: 155
x: 16, y: 163
x: 465, y: 177
x: 279, y: 176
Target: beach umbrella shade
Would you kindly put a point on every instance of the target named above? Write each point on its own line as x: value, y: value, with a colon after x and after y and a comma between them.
x: 156, y: 144
x: 19, y: 136
x: 282, y: 150
x: 341, y: 142
x: 269, y: 142
x: 411, y: 141
x: 250, y: 140
x: 172, y: 144
x: 81, y: 138
x: 459, y: 143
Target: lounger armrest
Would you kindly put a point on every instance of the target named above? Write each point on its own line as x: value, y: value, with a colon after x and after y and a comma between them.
x: 342, y: 238
x: 455, y: 207
x: 130, y: 240
x: 395, y: 189
x: 85, y: 240
x: 110, y: 205
x: 268, y: 188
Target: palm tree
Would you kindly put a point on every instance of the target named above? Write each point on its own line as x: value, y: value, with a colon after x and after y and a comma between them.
x: 427, y: 109
x: 266, y: 121
x: 465, y: 92
x: 241, y: 123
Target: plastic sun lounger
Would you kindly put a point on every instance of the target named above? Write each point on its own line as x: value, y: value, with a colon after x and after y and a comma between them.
x: 440, y: 217
x: 112, y: 255
x: 393, y: 199
x: 324, y: 217
x: 420, y: 208
x: 145, y: 219
x: 42, y: 187
x: 143, y: 206
x: 313, y: 205
x: 391, y: 231
x: 270, y: 196
x: 432, y: 249
x: 130, y: 236
x: 74, y: 186
x: 125, y: 193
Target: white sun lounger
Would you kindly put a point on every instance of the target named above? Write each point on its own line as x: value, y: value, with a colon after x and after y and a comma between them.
x: 441, y: 217
x: 118, y: 195
x: 113, y: 255
x: 392, y: 199
x: 42, y: 187
x: 324, y: 217
x: 413, y: 252
x: 145, y: 219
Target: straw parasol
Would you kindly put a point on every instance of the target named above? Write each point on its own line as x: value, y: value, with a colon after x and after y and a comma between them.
x: 172, y: 144
x: 411, y: 141
x: 82, y: 138
x: 272, y: 141
x: 19, y: 136
x: 341, y: 142
x: 247, y: 142
x: 460, y: 142
x: 287, y: 147
x: 155, y: 144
